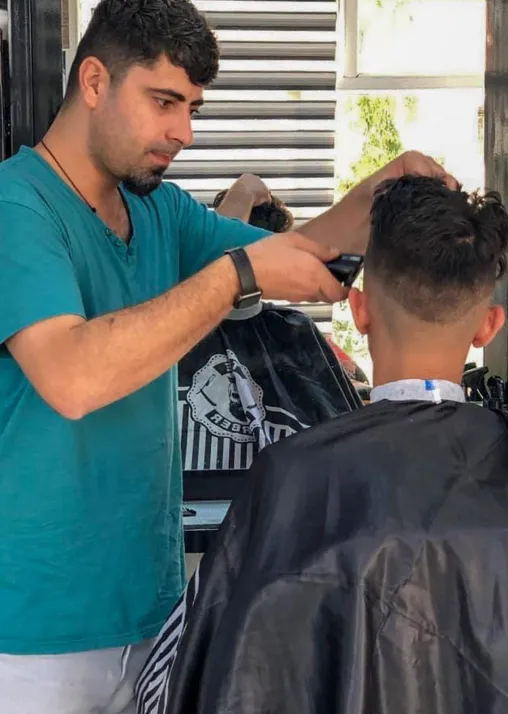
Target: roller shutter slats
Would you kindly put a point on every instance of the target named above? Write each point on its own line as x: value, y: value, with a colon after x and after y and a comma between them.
x: 271, y: 110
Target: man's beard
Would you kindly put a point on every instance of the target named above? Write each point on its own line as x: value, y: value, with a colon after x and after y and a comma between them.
x: 143, y: 184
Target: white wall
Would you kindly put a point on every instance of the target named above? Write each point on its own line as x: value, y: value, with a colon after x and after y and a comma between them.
x: 85, y: 8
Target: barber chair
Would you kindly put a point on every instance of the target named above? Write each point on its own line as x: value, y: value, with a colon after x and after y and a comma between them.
x: 482, y: 388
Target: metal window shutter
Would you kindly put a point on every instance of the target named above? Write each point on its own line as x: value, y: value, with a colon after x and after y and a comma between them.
x: 271, y: 110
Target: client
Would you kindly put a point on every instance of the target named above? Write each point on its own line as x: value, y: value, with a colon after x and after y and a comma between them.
x: 364, y: 569
x: 250, y: 200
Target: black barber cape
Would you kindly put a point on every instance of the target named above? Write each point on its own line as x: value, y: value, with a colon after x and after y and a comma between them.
x: 363, y: 570
x: 251, y: 383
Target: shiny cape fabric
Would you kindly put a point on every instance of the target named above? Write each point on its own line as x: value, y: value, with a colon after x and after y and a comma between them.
x: 363, y: 570
x: 251, y: 383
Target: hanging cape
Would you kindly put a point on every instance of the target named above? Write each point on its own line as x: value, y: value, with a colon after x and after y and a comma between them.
x: 249, y: 384
x: 363, y: 570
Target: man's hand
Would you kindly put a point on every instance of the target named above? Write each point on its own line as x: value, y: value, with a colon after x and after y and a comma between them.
x: 251, y: 185
x: 290, y: 267
x: 411, y: 162
x: 347, y: 224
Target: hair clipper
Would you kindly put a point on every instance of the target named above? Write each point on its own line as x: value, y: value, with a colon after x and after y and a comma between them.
x: 346, y: 268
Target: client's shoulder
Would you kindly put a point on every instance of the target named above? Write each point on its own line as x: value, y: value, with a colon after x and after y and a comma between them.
x: 401, y: 426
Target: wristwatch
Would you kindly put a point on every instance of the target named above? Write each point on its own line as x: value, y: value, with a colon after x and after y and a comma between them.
x: 250, y: 294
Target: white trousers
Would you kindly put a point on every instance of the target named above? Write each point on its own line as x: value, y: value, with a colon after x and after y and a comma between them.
x: 99, y: 682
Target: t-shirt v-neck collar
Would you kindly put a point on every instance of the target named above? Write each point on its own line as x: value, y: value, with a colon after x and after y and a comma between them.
x: 108, y: 232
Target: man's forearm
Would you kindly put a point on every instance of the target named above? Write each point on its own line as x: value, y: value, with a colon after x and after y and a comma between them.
x: 78, y: 366
x: 345, y: 225
x: 116, y: 354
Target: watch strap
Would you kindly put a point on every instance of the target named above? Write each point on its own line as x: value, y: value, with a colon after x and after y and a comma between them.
x: 249, y: 290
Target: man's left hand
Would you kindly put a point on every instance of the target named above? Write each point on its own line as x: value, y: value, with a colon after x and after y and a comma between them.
x: 412, y: 162
x: 347, y: 224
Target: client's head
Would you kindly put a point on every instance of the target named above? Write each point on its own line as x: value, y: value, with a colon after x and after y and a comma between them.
x: 274, y: 216
x: 431, y: 266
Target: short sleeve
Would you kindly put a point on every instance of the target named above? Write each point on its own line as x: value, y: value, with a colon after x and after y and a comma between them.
x: 204, y: 235
x: 37, y: 278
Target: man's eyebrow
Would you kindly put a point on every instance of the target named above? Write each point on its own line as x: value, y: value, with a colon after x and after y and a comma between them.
x: 174, y: 95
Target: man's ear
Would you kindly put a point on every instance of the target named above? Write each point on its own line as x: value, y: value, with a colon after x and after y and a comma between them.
x: 358, y: 304
x: 492, y: 324
x: 94, y: 80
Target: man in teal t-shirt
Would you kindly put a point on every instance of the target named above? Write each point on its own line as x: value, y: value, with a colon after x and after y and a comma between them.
x: 107, y: 278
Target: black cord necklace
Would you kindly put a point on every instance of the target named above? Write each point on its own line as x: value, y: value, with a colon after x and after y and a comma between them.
x: 92, y: 208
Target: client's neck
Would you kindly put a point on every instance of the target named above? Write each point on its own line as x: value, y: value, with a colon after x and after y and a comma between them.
x: 395, y: 363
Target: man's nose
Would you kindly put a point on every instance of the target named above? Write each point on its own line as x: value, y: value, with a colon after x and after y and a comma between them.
x: 182, y: 131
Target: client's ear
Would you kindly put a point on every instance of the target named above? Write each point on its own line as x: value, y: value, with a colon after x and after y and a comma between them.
x: 359, y: 310
x: 492, y: 324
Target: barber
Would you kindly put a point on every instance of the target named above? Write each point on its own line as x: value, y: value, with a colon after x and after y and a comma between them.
x: 108, y: 276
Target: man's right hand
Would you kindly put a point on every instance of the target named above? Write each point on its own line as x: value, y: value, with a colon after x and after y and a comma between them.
x: 290, y: 267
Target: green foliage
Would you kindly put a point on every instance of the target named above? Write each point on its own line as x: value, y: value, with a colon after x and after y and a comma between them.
x: 376, y: 121
x: 375, y: 118
x: 411, y: 106
x: 344, y: 331
x: 346, y: 335
x: 397, y: 5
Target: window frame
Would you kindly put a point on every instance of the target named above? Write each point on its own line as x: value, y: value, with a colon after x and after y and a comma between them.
x: 351, y: 80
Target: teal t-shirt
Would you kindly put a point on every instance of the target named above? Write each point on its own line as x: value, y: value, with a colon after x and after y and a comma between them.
x: 90, y: 510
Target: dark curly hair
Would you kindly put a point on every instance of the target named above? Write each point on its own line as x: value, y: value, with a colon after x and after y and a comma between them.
x: 436, y: 251
x: 274, y: 217
x: 123, y: 33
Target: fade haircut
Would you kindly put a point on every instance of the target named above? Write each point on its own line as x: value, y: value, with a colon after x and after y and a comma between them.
x: 435, y: 251
x: 274, y: 216
x: 123, y: 33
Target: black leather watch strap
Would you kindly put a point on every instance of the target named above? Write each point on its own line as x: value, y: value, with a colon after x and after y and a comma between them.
x: 250, y: 294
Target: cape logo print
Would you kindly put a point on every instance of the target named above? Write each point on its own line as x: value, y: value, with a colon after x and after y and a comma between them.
x: 226, y: 400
